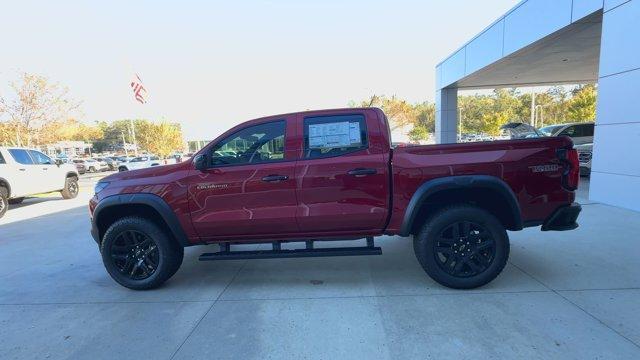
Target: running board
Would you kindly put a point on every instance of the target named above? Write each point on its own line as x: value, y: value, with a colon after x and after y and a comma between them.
x: 277, y: 252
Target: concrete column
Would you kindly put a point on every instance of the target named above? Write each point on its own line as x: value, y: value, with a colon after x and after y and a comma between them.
x: 446, y: 116
x: 615, y: 171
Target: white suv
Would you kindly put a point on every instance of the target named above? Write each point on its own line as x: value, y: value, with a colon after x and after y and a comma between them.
x: 26, y: 172
x: 140, y: 162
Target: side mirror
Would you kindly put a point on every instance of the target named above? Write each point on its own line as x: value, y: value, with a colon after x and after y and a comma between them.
x: 58, y: 162
x: 200, y: 162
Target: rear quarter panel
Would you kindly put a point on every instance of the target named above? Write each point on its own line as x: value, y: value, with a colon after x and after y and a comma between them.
x: 513, y: 161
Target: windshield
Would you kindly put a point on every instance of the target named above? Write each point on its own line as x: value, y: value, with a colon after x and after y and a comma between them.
x: 550, y: 130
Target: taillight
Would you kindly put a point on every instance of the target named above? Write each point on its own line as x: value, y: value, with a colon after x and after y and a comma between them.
x: 571, y: 172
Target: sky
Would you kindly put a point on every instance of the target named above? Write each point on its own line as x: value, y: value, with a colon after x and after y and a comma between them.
x: 210, y: 65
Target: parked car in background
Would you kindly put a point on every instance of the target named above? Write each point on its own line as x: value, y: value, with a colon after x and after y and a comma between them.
x: 516, y: 130
x: 580, y: 133
x: 103, y: 163
x: 140, y: 162
x: 92, y: 165
x: 112, y: 162
x: 79, y: 166
x: 25, y: 172
x: 585, y: 153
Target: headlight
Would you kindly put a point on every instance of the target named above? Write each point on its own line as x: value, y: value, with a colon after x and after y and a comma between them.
x: 100, y: 186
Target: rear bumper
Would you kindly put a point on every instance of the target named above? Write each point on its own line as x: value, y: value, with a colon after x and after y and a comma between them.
x: 564, y: 218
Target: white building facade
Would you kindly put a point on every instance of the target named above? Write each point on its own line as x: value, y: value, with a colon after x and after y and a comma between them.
x: 548, y: 42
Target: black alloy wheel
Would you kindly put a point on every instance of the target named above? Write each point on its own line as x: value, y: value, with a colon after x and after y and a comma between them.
x: 135, y: 255
x: 462, y: 246
x: 464, y: 249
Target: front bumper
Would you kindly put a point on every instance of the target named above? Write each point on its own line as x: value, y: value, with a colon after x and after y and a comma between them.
x: 564, y: 218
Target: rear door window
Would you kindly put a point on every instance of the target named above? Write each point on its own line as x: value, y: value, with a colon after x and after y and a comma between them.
x: 335, y: 135
x: 40, y: 158
x: 21, y: 156
x: 2, y: 159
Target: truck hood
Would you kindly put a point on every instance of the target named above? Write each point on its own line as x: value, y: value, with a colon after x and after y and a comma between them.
x: 160, y: 170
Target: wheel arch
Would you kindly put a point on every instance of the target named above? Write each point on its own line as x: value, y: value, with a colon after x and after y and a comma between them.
x: 488, y: 192
x: 149, y: 206
x: 72, y: 174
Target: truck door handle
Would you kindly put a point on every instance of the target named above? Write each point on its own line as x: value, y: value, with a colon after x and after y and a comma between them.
x: 23, y: 169
x: 45, y: 169
x: 274, y: 178
x: 362, y: 172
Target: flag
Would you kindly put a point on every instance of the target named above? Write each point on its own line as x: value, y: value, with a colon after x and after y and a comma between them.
x: 139, y: 91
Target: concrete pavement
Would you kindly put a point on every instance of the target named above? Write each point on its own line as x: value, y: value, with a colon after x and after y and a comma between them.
x: 563, y: 295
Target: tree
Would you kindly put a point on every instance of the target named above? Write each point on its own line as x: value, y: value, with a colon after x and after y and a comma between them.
x: 36, y: 103
x: 161, y: 139
x: 582, y: 106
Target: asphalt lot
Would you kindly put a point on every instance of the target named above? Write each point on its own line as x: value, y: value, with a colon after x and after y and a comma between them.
x: 570, y: 295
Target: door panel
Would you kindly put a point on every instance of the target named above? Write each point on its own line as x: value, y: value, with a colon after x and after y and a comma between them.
x: 49, y: 177
x: 332, y: 200
x: 343, y: 178
x: 249, y: 188
x: 237, y: 201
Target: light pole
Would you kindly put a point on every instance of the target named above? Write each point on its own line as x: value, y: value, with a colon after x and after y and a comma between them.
x: 460, y: 122
x: 539, y: 112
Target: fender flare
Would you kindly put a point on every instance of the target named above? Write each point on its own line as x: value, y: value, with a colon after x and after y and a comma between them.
x: 151, y: 200
x: 434, y: 186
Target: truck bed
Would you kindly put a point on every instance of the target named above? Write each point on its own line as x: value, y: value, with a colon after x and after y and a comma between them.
x: 519, y: 163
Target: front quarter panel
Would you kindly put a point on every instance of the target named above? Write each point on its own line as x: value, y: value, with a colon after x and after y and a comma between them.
x: 164, y: 181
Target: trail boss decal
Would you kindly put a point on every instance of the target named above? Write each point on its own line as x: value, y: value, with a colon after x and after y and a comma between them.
x: 544, y: 168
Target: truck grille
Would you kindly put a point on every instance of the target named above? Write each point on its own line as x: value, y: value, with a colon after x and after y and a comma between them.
x: 584, y: 157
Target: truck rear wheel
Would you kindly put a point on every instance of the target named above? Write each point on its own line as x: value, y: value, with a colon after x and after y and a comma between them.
x: 71, y: 188
x: 4, y: 201
x: 138, y: 254
x: 462, y: 247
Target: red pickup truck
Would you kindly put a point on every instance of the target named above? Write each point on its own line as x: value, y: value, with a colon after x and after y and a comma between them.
x: 333, y: 175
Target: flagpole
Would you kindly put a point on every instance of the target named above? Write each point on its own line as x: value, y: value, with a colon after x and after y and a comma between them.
x: 133, y: 137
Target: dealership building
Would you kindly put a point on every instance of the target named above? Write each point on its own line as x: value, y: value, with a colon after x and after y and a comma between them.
x: 550, y: 42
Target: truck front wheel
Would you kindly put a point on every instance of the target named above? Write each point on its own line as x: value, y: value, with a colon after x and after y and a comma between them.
x: 462, y: 247
x: 138, y: 254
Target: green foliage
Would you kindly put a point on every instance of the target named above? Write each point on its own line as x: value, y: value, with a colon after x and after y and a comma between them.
x: 485, y: 113
x: 582, y: 106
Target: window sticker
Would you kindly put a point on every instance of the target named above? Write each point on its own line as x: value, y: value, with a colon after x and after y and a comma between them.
x: 334, y: 135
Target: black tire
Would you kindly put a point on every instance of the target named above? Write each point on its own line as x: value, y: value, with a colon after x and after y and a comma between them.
x: 462, y: 247
x: 92, y: 169
x: 122, y: 168
x: 4, y: 203
x: 71, y: 188
x: 152, y: 256
x: 16, y: 201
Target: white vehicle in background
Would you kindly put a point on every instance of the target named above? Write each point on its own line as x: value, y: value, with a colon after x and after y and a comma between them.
x: 25, y: 172
x: 140, y: 162
x: 92, y: 165
x: 585, y: 153
x: 580, y: 133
